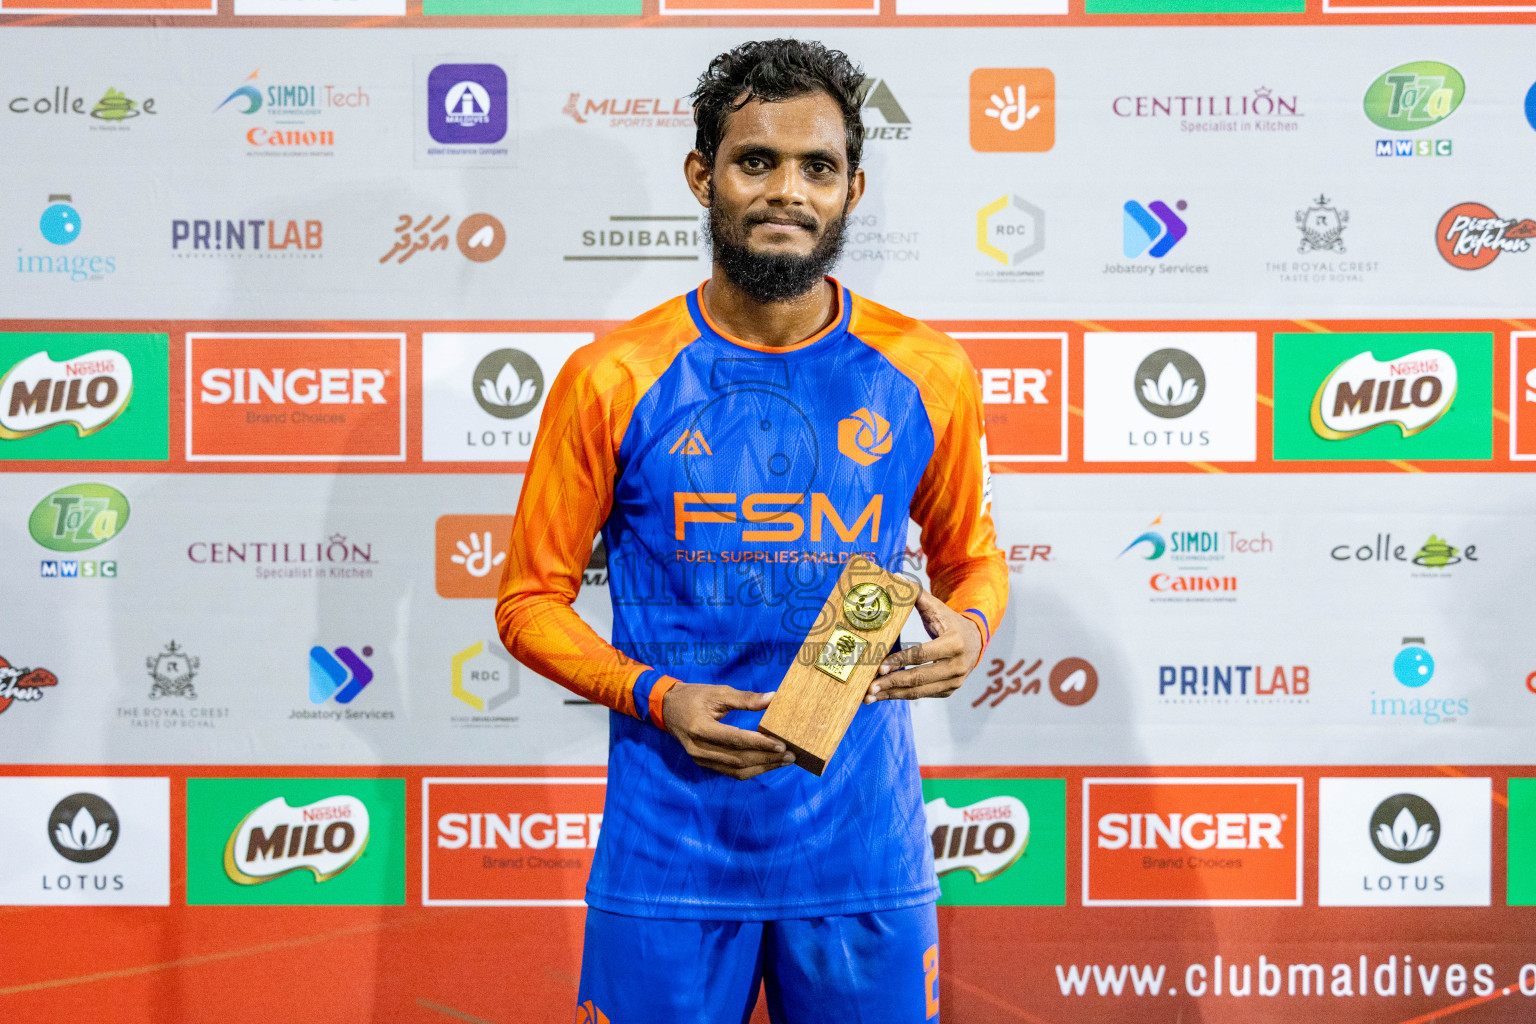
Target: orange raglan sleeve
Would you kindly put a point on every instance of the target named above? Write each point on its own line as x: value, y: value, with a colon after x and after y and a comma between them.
x: 567, y: 494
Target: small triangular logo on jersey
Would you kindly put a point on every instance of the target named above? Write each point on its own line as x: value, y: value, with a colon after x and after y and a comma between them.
x: 690, y: 442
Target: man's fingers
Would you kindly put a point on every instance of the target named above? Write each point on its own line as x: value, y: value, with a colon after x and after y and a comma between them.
x: 731, y: 699
x: 937, y: 649
x: 718, y: 734
x: 937, y: 688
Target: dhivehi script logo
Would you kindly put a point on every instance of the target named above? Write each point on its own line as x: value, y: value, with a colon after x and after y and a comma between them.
x: 985, y: 838
x: 89, y: 392
x: 325, y: 837
x: 1362, y: 393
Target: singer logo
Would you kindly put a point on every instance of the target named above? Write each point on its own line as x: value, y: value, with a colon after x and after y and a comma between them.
x: 471, y: 553
x: 509, y: 842
x: 1023, y: 381
x: 87, y: 392
x: 296, y: 397
x: 1363, y: 393
x: 325, y: 838
x: 1184, y: 842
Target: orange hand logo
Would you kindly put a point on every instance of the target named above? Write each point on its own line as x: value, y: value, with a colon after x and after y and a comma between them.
x: 864, y: 437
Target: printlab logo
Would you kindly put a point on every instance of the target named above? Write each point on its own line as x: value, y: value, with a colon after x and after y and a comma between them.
x: 1170, y: 383
x: 1405, y: 828
x: 1229, y: 684
x: 1013, y: 110
x: 1072, y: 681
x: 1412, y: 97
x: 480, y: 237
x: 340, y: 675
x: 83, y: 828
x: 78, y: 517
x: 172, y: 670
x: 1470, y: 235
x: 223, y: 238
x: 470, y: 551
x: 1010, y: 230
x: 864, y: 437
x: 508, y: 383
x: 113, y: 109
x: 467, y: 104
x: 483, y: 677
x: 22, y: 684
x: 875, y: 95
x: 1153, y: 229
x: 61, y: 225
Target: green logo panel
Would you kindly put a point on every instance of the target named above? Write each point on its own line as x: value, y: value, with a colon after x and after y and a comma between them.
x: 564, y: 8
x: 1522, y: 843
x: 296, y: 842
x: 1197, y: 6
x: 84, y: 396
x: 1379, y: 416
x: 999, y: 842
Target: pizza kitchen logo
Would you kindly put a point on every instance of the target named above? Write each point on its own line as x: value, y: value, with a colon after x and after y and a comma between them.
x: 1362, y: 393
x: 1470, y: 235
x: 26, y: 685
x: 325, y: 838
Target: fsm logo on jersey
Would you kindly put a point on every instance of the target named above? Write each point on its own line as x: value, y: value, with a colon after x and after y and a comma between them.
x: 1404, y: 842
x: 998, y: 842
x: 466, y: 115
x: 84, y: 396
x: 85, y: 841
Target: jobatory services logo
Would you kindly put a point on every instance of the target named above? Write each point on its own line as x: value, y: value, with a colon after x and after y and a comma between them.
x: 1152, y: 230
x: 483, y: 677
x: 864, y: 436
x: 480, y: 237
x: 1470, y: 236
x: 1023, y: 380
x: 629, y: 111
x: 1204, y: 564
x: 470, y: 551
x: 1404, y: 842
x: 509, y: 841
x: 113, y: 111
x: 641, y: 238
x: 1212, y: 113
x: 1010, y: 230
x: 78, y: 517
x: 998, y: 842
x: 291, y: 119
x: 338, y: 675
x: 258, y: 397
x: 82, y: 841
x: 289, y: 842
x: 61, y: 225
x: 1522, y: 396
x: 1410, y: 98
x: 1192, y: 842
x: 1170, y: 397
x: 84, y: 396
x: 1383, y: 396
x: 23, y: 685
x: 1072, y: 681
x: 247, y: 238
x: 466, y: 115
x: 483, y: 393
x: 1013, y: 110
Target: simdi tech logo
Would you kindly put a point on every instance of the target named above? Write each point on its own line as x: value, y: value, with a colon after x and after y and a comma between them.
x: 84, y: 841
x: 1383, y: 396
x: 255, y: 397
x: 1023, y: 380
x: 509, y: 842
x: 84, y: 396
x: 1410, y: 98
x: 1404, y: 842
x: 289, y: 842
x: 284, y: 113
x: 1013, y: 110
x: 998, y: 842
x: 1233, y: 842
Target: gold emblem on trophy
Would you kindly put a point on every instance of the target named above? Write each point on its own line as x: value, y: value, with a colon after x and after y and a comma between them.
x: 867, y: 607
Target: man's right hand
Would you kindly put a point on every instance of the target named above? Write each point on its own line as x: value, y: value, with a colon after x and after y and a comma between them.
x: 692, y: 713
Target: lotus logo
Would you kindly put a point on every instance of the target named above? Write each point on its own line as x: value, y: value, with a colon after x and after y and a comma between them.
x: 1405, y: 828
x: 864, y: 437
x: 87, y: 392
x: 1363, y: 393
x: 325, y: 838
x: 508, y: 383
x: 83, y: 828
x: 1170, y: 383
x: 985, y: 838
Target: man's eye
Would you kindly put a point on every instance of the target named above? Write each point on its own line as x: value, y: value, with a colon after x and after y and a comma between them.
x: 754, y: 163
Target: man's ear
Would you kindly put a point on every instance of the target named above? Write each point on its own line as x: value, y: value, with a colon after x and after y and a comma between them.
x: 697, y: 172
x: 855, y: 189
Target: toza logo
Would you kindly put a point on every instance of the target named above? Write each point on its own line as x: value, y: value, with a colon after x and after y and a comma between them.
x: 1363, y: 393
x: 83, y: 828
x: 78, y: 517
x: 508, y: 383
x: 1414, y: 96
x: 341, y: 675
x: 324, y: 838
x: 1170, y: 383
x: 87, y: 392
x: 1405, y: 828
x: 1322, y: 227
x: 864, y: 437
x: 985, y: 838
x: 173, y: 671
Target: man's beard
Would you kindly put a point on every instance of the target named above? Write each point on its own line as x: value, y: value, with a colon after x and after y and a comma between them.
x: 771, y: 277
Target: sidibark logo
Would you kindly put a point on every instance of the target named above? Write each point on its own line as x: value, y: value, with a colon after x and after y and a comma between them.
x: 509, y: 841
x: 1023, y: 381
x: 325, y: 838
x: 1192, y: 841
x: 295, y: 397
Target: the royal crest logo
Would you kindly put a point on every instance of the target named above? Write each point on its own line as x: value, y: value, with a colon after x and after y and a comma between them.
x: 1470, y: 235
x: 325, y: 838
x: 1322, y: 227
x: 87, y: 392
x: 864, y: 437
x: 1363, y: 393
x: 985, y: 838
x: 23, y: 684
x: 173, y: 670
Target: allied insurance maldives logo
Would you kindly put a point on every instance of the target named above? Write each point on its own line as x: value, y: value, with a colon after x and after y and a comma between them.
x: 295, y: 397
x: 1192, y: 841
x: 83, y: 396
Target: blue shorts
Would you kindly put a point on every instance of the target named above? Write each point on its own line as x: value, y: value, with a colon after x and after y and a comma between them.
x: 879, y: 968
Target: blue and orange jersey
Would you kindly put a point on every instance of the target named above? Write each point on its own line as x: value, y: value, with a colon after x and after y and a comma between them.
x: 730, y: 483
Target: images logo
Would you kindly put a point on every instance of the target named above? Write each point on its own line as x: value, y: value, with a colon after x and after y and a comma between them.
x: 60, y: 223
x: 1470, y: 236
x: 864, y: 437
x: 173, y: 671
x: 1413, y: 665
x: 1322, y: 227
x: 324, y: 838
x: 1194, y: 841
x: 79, y: 517
x: 1405, y: 828
x: 83, y: 828
x: 1010, y: 230
x: 1013, y: 110
x: 467, y: 103
x: 1023, y: 393
x: 23, y: 684
x: 342, y: 675
x: 1170, y: 383
x: 1153, y: 229
x: 483, y: 677
x: 1414, y: 96
x: 470, y: 553
x: 1411, y: 392
x: 508, y: 383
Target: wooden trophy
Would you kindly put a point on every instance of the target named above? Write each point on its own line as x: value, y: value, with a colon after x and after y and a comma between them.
x: 822, y: 690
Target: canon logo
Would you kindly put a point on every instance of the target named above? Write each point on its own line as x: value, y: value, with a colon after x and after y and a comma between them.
x: 564, y: 831
x: 1198, y: 831
x: 331, y: 386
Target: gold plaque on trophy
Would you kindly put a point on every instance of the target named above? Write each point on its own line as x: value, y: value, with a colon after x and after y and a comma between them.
x: 822, y: 690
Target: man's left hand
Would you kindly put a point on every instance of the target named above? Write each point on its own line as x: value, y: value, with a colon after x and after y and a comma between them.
x: 932, y: 669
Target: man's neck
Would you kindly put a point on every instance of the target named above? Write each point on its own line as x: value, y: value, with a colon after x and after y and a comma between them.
x: 769, y: 324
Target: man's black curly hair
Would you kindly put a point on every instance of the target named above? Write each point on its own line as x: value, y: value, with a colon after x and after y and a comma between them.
x: 772, y: 70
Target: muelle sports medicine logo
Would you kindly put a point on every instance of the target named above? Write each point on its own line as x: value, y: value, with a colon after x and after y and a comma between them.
x: 1470, y: 235
x: 324, y: 838
x: 1411, y: 392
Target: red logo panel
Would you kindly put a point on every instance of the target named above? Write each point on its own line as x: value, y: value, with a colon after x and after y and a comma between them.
x: 1023, y: 381
x: 1522, y: 396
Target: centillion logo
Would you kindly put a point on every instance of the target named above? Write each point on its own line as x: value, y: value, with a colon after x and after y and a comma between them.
x: 864, y: 437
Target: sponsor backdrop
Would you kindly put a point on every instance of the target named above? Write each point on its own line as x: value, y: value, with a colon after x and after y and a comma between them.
x: 1247, y: 287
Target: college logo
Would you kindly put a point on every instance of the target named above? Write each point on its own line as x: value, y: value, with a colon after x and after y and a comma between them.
x: 296, y: 841
x: 1404, y: 842
x: 1072, y: 681
x: 1190, y: 842
x: 1322, y: 227
x: 1010, y: 230
x: 510, y: 841
x: 1013, y: 110
x: 295, y: 397
x: 480, y: 237
x: 340, y: 675
x: 1023, y: 393
x: 1435, y: 553
x: 1470, y: 235
x: 998, y: 842
x: 114, y: 106
x: 83, y: 828
x: 22, y: 684
x: 172, y: 670
x: 78, y: 517
x: 483, y: 676
x: 1414, y: 96
x: 467, y: 104
x: 483, y: 394
x: 864, y: 437
x: 1334, y: 393
x: 470, y: 553
x: 1153, y: 229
